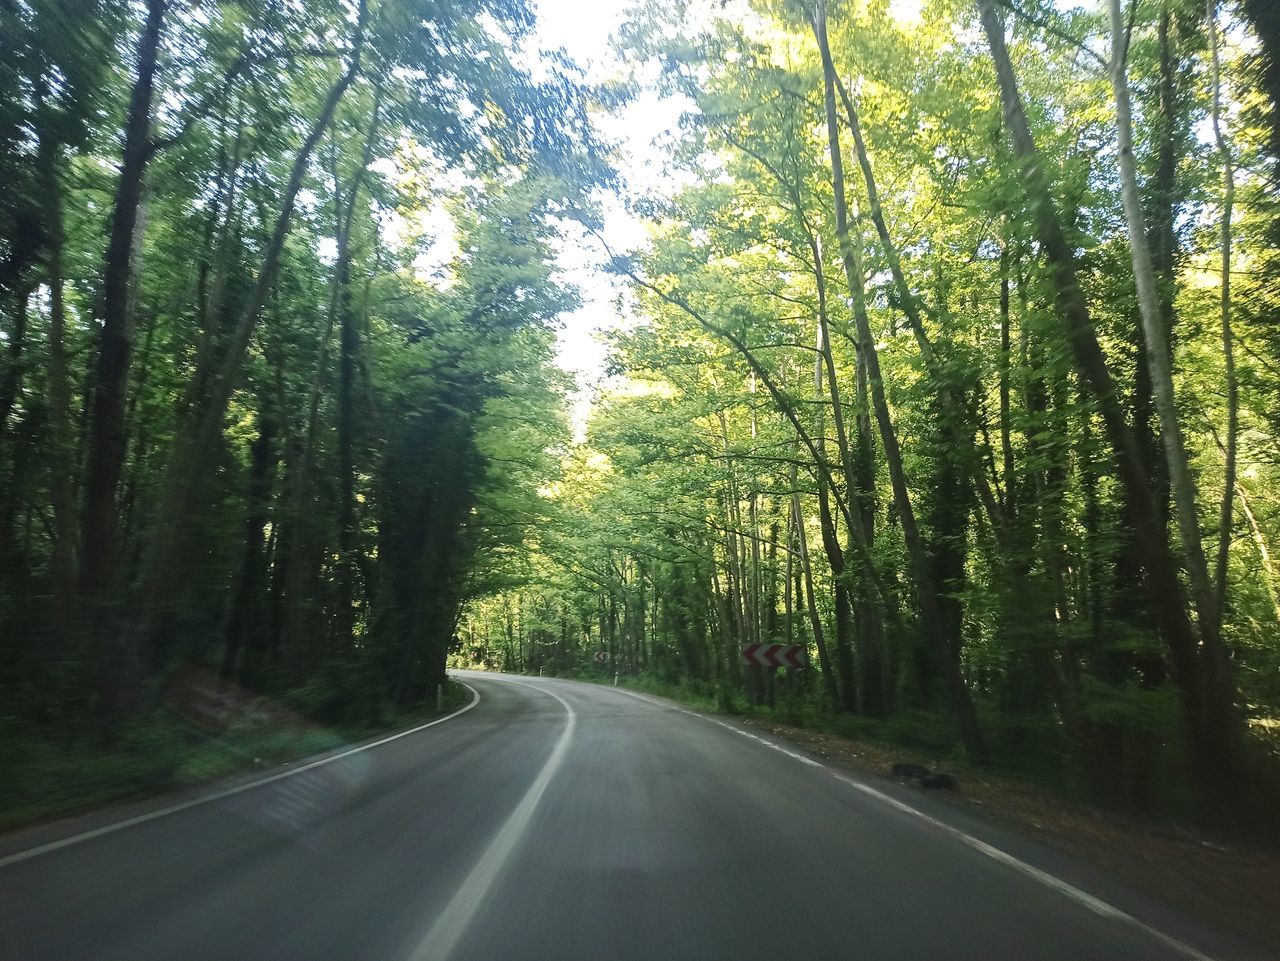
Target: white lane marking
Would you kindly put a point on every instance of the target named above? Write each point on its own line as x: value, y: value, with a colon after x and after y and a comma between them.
x: 462, y: 908
x: 1083, y: 898
x: 769, y: 744
x: 218, y: 796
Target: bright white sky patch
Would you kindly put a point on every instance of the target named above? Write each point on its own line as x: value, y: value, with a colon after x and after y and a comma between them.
x: 906, y: 12
x: 584, y: 31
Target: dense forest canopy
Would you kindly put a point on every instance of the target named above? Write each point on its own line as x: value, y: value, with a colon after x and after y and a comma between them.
x: 951, y: 356
x: 279, y: 311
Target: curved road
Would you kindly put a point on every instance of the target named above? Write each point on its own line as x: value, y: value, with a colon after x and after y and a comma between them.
x: 563, y: 821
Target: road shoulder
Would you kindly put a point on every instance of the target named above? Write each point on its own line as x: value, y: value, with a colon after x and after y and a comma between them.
x: 1220, y: 898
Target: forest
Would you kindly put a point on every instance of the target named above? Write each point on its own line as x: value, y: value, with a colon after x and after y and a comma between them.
x: 952, y: 355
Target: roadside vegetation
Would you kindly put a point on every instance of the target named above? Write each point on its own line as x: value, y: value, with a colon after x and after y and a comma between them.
x: 173, y: 748
x: 277, y: 387
x: 951, y: 360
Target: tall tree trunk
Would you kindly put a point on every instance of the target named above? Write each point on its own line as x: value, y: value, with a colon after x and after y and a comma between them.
x: 106, y: 442
x: 810, y: 601
x: 1208, y: 709
x: 857, y: 620
x: 61, y: 453
x: 13, y: 463
x: 349, y: 341
x: 15, y: 363
x: 119, y: 671
x: 921, y: 565
x: 912, y: 307
x: 1215, y: 663
x: 1181, y: 479
x: 1225, y: 513
x: 876, y: 690
x: 1268, y: 572
x: 1006, y: 420
x: 824, y: 364
x: 213, y: 272
x: 1163, y: 194
x: 297, y: 572
x: 843, y: 610
x: 244, y: 649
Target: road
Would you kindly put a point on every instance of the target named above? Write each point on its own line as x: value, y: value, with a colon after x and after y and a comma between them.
x: 561, y: 821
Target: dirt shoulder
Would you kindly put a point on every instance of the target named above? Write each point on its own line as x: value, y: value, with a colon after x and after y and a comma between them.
x: 1224, y: 883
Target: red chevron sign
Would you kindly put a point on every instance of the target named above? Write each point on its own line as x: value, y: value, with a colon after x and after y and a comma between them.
x: 775, y: 655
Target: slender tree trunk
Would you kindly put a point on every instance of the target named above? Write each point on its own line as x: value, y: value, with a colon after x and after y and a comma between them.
x: 769, y: 591
x: 1163, y: 194
x: 857, y: 621
x: 1225, y: 513
x: 876, y: 691
x: 1157, y: 349
x: 119, y: 669
x: 843, y: 611
x: 244, y: 650
x: 15, y: 363
x: 1209, y: 710
x: 912, y: 306
x: 921, y: 565
x: 106, y: 442
x: 810, y: 601
x: 756, y: 582
x: 349, y: 340
x: 1264, y: 554
x: 298, y: 573
x: 213, y: 273
x: 14, y: 460
x: 209, y: 421
x: 62, y: 453
x: 788, y: 579
x: 1006, y: 425
x: 823, y: 363
x: 1215, y: 664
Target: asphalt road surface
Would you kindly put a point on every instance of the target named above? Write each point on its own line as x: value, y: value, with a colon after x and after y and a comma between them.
x: 562, y: 821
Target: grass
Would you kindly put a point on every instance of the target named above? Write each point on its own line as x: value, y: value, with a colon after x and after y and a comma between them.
x: 53, y: 774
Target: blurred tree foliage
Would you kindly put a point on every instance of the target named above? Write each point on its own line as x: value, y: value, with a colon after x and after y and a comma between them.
x: 277, y: 319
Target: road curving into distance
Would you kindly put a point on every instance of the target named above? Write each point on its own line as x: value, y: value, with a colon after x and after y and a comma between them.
x: 562, y: 821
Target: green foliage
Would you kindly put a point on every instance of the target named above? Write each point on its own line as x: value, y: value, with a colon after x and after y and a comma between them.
x: 739, y: 441
x: 381, y: 341
x: 843, y: 410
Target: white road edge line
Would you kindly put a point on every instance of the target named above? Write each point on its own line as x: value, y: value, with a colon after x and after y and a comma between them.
x: 452, y: 922
x: 1083, y: 898
x: 219, y: 795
